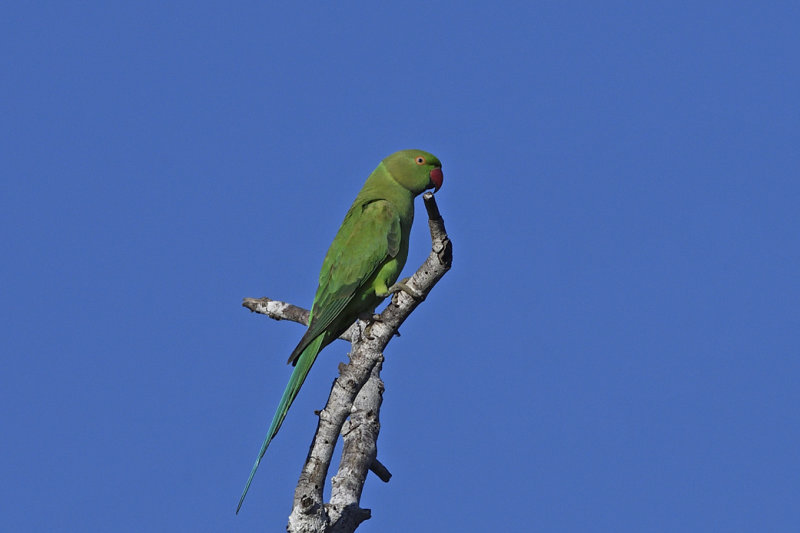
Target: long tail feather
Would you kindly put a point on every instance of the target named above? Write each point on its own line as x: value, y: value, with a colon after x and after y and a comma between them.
x: 299, y: 374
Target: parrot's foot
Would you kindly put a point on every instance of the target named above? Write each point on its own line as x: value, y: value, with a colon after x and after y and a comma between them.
x: 368, y: 329
x: 370, y: 319
x: 402, y: 286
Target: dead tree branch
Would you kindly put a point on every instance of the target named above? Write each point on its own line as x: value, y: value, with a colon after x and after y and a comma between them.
x: 356, y: 394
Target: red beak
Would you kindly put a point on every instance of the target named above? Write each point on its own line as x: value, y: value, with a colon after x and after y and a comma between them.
x: 436, y: 178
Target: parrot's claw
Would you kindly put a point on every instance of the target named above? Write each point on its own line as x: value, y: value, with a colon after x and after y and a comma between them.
x: 368, y: 328
x: 402, y: 286
x: 370, y: 319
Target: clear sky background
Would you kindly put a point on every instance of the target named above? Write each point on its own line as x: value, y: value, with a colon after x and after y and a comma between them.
x: 615, y: 349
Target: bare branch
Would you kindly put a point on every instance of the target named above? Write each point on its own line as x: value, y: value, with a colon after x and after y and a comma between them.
x: 381, y: 471
x: 360, y: 434
x: 357, y: 394
x: 277, y: 310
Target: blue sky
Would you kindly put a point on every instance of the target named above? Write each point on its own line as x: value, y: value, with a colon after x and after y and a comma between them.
x: 615, y: 348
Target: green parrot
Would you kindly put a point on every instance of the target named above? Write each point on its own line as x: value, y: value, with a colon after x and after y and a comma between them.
x: 361, y: 266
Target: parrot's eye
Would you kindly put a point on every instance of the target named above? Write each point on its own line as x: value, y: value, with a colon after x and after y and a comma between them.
x: 420, y: 160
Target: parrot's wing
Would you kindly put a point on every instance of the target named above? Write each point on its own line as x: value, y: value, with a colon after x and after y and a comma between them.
x: 369, y: 236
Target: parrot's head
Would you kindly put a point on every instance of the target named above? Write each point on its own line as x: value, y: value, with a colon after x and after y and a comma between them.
x: 416, y: 170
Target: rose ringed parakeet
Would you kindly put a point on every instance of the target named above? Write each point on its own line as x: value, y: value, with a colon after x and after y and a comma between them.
x: 361, y: 266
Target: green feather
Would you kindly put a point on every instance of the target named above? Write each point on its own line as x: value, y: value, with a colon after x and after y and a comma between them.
x: 299, y: 374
